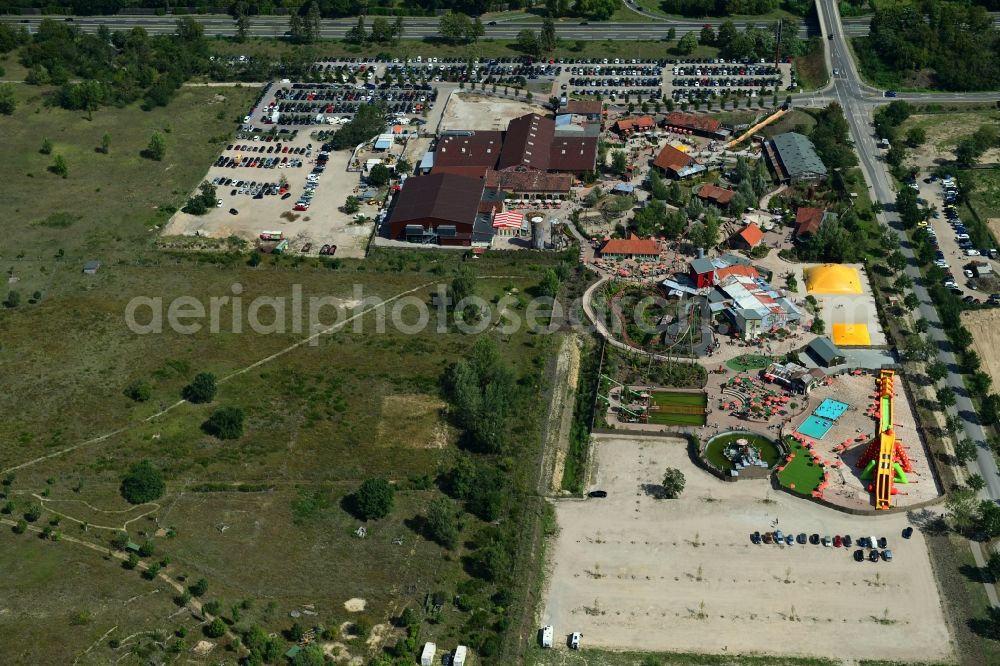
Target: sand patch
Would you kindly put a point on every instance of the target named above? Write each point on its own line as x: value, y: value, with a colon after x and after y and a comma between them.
x: 412, y: 420
x: 471, y: 111
x: 984, y: 325
x: 355, y: 605
x: 378, y: 635
x: 203, y: 647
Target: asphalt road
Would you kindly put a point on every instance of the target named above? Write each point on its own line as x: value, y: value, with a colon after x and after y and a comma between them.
x: 858, y: 101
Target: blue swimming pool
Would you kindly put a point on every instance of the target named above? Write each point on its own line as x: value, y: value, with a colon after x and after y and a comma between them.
x: 815, y: 427
x: 831, y: 409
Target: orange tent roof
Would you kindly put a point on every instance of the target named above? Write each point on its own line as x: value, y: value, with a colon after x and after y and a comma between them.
x: 752, y: 235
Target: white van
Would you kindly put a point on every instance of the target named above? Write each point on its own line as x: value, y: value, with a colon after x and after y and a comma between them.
x: 548, y: 633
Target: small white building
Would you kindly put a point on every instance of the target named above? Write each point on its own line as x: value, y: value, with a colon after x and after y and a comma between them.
x: 427, y: 656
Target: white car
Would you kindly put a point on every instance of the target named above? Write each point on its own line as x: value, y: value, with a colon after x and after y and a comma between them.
x: 967, y: 274
x: 941, y: 263
x: 574, y: 640
x: 962, y: 236
x: 950, y: 284
x: 246, y: 119
x: 218, y: 203
x: 972, y: 253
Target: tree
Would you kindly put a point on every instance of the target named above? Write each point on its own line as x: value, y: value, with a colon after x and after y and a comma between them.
x: 311, y: 24
x: 201, y: 389
x: 896, y: 261
x: 988, y: 521
x: 476, y: 30
x: 242, y: 22
x: 549, y: 285
x: 374, y: 499
x: 397, y: 30
x: 455, y: 27
x: 199, y: 588
x: 216, y: 628
x: 13, y: 299
x: 138, y: 390
x: 157, y: 148
x: 59, y: 166
x: 443, y: 524
x: 462, y: 286
x: 46, y: 148
x: 311, y: 655
x: 936, y: 370
x: 379, y: 175
x: 673, y: 483
x: 687, y: 44
x: 202, y: 202
x: 707, y: 36
x: 547, y: 37
x: 106, y: 143
x: 144, y: 483
x: 8, y: 102
x: 358, y: 34
x: 671, y: 34
x: 619, y: 162
x: 225, y: 423
x: 381, y: 30
x: 946, y: 396
x: 976, y: 482
x: 965, y: 451
x: 527, y: 42
x: 916, y: 136
x: 962, y: 508
x: 351, y: 205
x: 911, y: 301
x: 727, y: 33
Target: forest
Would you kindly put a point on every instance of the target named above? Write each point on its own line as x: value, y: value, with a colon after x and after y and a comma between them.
x: 942, y: 36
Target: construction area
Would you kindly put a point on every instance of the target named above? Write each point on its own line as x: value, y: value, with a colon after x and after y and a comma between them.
x: 627, y: 565
x: 472, y: 111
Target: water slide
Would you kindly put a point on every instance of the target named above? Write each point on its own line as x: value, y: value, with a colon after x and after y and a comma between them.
x: 764, y: 123
x: 885, y: 471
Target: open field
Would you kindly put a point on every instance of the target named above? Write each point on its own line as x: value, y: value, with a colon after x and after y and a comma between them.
x: 943, y: 133
x: 811, y: 67
x: 678, y: 408
x: 984, y: 325
x: 625, y: 566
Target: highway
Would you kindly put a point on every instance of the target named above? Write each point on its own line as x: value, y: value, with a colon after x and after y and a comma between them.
x: 646, y: 27
x: 858, y: 101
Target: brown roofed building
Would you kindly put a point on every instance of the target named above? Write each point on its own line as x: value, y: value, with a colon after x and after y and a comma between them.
x: 529, y: 182
x: 437, y: 208
x: 527, y: 143
x: 577, y: 155
x: 677, y: 163
x: 627, y: 126
x: 480, y: 149
x: 700, y: 125
x: 717, y: 195
x: 808, y: 221
x: 748, y: 238
x: 590, y: 108
x: 633, y: 247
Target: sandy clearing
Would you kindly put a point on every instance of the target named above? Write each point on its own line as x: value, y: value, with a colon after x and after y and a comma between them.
x: 561, y: 409
x: 626, y: 572
x: 471, y: 111
x: 412, y: 420
x: 984, y: 325
x: 355, y: 605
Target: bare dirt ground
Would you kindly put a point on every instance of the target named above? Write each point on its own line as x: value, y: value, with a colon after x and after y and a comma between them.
x: 943, y: 133
x: 322, y: 224
x: 471, y: 111
x: 561, y: 409
x: 630, y: 571
x: 985, y: 328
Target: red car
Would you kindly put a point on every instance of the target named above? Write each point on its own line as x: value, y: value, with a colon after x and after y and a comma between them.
x: 837, y: 541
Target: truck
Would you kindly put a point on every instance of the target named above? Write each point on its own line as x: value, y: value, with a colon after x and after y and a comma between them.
x: 459, y: 658
x: 427, y: 656
x: 548, y: 633
x: 272, y: 235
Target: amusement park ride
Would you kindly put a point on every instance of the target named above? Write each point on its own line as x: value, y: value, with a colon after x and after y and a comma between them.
x: 884, y: 459
x: 633, y: 406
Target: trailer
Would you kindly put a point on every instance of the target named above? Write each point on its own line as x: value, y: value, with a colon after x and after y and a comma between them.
x: 272, y: 235
x: 548, y: 633
x: 427, y: 656
x: 460, y: 654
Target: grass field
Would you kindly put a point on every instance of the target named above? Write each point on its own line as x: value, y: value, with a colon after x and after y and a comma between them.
x: 811, y: 67
x: 749, y: 362
x: 673, y: 408
x: 319, y: 418
x: 587, y: 657
x: 801, y: 472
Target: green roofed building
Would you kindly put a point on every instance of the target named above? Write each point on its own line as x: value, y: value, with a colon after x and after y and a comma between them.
x: 793, y: 158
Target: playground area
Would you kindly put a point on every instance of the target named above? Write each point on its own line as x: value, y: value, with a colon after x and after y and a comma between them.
x: 624, y: 567
x: 748, y: 398
x: 845, y: 302
x: 858, y: 446
x: 645, y: 407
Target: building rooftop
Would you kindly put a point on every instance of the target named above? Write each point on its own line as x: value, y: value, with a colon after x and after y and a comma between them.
x: 798, y: 155
x: 480, y: 149
x: 752, y: 235
x: 808, y: 221
x: 640, y: 124
x: 633, y: 245
x: 584, y: 107
x: 529, y: 181
x: 573, y: 153
x: 717, y: 194
x: 527, y: 143
x: 671, y: 159
x: 441, y: 196
x: 825, y: 349
x: 702, y: 123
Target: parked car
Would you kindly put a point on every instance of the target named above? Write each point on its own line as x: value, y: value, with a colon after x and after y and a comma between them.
x: 873, y: 556
x: 755, y: 538
x: 307, y: 247
x: 859, y: 555
x: 802, y: 538
x: 233, y: 211
x: 886, y: 555
x: 574, y: 640
x: 827, y: 542
x: 847, y: 541
x: 814, y: 539
x: 882, y: 542
x: 837, y: 541
x: 597, y: 493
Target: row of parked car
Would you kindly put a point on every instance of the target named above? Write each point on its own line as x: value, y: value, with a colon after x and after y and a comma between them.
x: 837, y: 541
x: 616, y: 82
x: 752, y: 82
x: 726, y: 70
x: 312, y: 182
x: 629, y: 70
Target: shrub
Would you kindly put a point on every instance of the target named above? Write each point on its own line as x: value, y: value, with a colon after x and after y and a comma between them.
x: 225, y: 423
x: 144, y: 483
x: 139, y: 391
x: 374, y: 499
x: 201, y: 389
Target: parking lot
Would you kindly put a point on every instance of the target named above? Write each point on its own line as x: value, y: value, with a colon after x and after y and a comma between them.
x: 955, y: 251
x: 258, y: 192
x: 633, y: 572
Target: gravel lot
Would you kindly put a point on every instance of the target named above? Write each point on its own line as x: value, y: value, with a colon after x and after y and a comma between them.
x: 471, y: 111
x: 630, y: 571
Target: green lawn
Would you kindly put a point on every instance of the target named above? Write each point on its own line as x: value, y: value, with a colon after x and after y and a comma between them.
x: 749, y: 362
x: 714, y: 449
x: 668, y: 412
x: 801, y: 471
x: 811, y: 67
